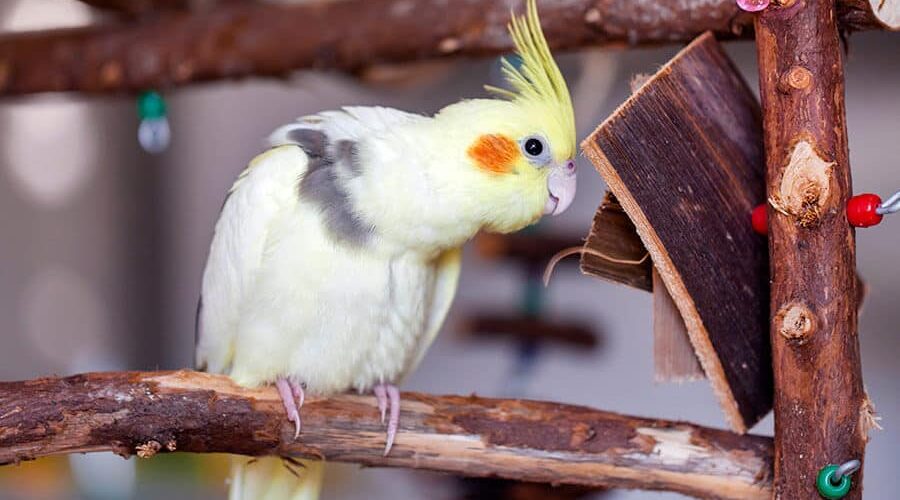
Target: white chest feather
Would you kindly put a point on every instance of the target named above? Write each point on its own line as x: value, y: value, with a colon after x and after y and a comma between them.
x: 328, y: 316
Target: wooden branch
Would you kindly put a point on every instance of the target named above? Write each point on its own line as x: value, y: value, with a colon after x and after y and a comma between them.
x: 240, y: 39
x: 142, y: 7
x: 821, y: 412
x: 150, y: 412
x: 528, y: 328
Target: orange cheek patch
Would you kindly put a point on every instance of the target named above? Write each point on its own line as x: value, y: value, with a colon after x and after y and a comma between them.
x: 494, y: 153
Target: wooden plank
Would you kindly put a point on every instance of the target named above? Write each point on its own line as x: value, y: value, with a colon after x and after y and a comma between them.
x: 674, y: 359
x: 822, y: 414
x: 613, y: 240
x: 684, y: 158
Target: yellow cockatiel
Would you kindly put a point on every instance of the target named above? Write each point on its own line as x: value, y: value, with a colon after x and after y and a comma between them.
x: 336, y: 255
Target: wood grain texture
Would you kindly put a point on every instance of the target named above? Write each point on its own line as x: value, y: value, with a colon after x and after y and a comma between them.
x: 613, y: 235
x: 240, y: 39
x: 821, y: 412
x: 160, y: 412
x: 674, y: 359
x: 684, y: 157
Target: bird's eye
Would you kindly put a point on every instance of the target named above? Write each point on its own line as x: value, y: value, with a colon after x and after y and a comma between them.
x: 535, y: 148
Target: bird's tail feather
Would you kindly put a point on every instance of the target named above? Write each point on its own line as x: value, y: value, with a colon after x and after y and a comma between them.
x: 275, y: 478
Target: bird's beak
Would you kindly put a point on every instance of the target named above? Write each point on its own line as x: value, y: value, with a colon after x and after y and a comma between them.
x: 561, y: 187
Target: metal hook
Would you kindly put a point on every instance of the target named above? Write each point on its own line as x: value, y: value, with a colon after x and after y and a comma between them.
x: 845, y: 469
x: 890, y: 205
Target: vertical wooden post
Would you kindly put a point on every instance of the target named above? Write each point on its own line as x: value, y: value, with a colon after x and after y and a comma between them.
x: 820, y: 416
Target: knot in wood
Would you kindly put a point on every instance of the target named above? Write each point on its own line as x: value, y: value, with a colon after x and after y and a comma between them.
x: 795, y: 322
x: 805, y: 185
x: 797, y: 78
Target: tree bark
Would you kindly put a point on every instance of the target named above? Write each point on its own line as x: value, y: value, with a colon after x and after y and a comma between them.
x: 240, y: 39
x: 145, y: 413
x: 821, y: 412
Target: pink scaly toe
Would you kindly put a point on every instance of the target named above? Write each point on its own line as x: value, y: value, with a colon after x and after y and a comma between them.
x: 394, y: 420
x: 388, y: 397
x: 288, y: 390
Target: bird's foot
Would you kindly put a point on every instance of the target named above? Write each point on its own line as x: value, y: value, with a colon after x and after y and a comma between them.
x: 292, y: 396
x: 388, y: 397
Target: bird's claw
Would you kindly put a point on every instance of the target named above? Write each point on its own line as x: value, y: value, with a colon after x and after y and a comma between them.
x: 388, y: 397
x: 292, y: 397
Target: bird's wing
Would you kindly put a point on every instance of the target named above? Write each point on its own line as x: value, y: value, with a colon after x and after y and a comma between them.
x: 447, y: 269
x: 349, y: 123
x: 264, y: 191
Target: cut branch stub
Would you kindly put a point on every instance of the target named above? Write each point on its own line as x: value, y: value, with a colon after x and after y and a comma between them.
x: 805, y: 185
x: 887, y: 12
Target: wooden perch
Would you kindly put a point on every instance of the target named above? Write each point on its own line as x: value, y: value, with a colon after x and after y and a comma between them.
x: 528, y: 328
x: 684, y: 157
x: 240, y: 39
x: 157, y: 412
x: 822, y: 415
x: 145, y: 7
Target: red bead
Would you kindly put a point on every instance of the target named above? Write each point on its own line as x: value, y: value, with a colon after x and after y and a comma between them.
x: 759, y: 219
x: 861, y: 210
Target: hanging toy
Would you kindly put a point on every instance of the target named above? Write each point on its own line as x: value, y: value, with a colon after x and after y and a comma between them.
x: 863, y: 210
x: 833, y: 481
x: 153, y: 133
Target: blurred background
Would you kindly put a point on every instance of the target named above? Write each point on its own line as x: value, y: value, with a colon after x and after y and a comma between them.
x: 102, y: 246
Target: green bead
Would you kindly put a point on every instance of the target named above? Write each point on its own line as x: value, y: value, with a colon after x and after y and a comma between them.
x: 151, y: 105
x: 828, y: 489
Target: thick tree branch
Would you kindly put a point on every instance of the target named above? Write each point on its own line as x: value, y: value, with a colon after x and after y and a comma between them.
x: 240, y: 39
x: 147, y: 412
x: 821, y: 413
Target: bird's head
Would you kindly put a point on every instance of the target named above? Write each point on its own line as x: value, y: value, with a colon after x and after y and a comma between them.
x: 519, y: 147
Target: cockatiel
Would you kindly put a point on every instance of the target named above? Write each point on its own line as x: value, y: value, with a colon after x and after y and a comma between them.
x: 337, y: 252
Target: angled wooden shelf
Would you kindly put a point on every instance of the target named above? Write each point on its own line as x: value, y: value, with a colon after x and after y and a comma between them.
x: 684, y: 158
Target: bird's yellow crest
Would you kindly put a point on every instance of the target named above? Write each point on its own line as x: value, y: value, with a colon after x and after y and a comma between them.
x: 537, y: 83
